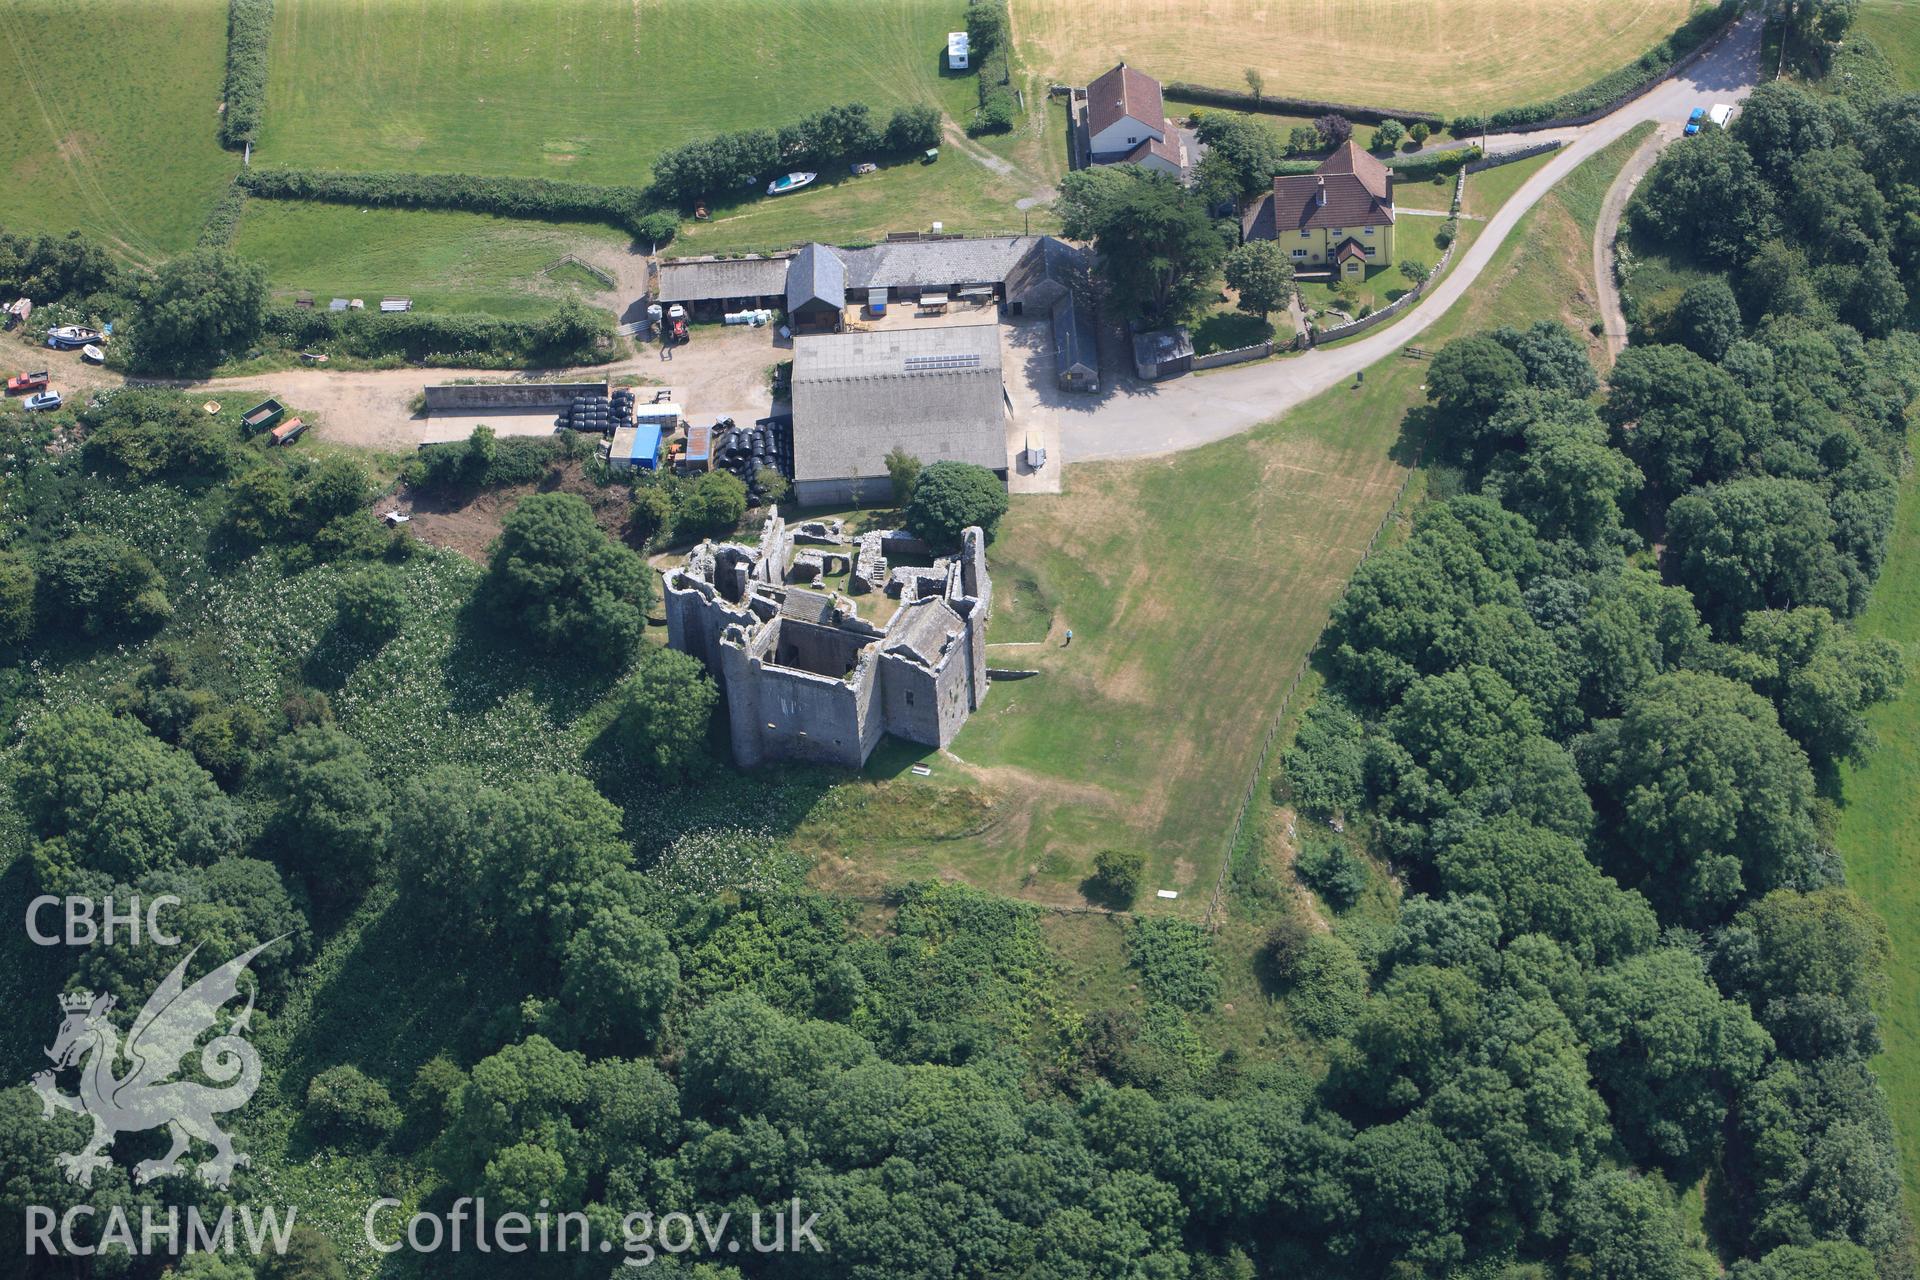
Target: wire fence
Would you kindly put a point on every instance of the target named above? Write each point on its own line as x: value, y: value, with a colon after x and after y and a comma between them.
x: 1286, y: 706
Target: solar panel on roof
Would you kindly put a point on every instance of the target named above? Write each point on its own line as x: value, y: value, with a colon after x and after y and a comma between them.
x: 917, y: 364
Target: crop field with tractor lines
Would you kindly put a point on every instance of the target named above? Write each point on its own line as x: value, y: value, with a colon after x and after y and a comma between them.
x: 1462, y: 56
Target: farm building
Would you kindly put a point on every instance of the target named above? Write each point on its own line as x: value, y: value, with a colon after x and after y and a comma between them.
x: 1126, y: 123
x: 900, y: 269
x: 1339, y: 216
x: 935, y: 392
x: 1052, y: 277
x: 816, y: 290
x: 709, y: 287
x: 1161, y: 353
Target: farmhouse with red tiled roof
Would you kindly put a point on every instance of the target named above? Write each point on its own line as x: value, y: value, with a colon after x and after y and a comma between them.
x: 1340, y: 215
x: 1126, y: 123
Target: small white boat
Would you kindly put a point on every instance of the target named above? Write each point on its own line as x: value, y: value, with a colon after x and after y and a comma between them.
x: 93, y: 353
x: 68, y: 336
x: 790, y: 182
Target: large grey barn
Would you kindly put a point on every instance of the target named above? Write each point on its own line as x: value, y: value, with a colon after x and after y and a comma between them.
x: 934, y: 392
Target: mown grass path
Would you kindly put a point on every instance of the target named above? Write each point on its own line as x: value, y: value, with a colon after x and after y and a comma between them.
x: 1880, y: 831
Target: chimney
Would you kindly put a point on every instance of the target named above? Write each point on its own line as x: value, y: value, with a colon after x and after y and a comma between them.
x: 1320, y: 192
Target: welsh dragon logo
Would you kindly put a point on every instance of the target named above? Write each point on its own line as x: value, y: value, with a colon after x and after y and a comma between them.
x: 146, y: 1097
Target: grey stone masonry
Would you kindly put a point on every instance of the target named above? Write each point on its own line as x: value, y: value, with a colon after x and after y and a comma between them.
x: 804, y: 676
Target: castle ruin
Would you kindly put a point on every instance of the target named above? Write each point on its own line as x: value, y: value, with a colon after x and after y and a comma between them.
x: 804, y: 675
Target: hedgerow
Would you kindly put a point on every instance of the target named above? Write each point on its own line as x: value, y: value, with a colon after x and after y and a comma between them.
x: 1421, y: 167
x: 710, y: 168
x: 988, y: 24
x: 249, y: 28
x: 571, y: 335
x: 1240, y: 100
x: 223, y: 219
x: 538, y: 198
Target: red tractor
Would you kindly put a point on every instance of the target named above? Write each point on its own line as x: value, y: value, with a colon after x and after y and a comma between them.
x: 24, y: 382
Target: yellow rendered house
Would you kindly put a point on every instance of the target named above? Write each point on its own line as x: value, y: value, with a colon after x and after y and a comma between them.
x: 1340, y: 216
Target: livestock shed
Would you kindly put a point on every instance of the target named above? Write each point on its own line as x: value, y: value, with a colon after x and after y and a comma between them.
x: 814, y: 283
x: 1054, y: 277
x: 934, y: 392
x: 1161, y: 353
x: 710, y: 287
x: 816, y: 289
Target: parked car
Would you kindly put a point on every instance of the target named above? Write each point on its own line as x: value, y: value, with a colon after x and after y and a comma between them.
x: 45, y: 400
x: 27, y: 382
x: 1694, y: 120
x: 1721, y: 114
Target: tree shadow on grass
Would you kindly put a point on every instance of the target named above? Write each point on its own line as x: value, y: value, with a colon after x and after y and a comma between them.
x: 335, y: 656
x: 401, y: 991
x: 1419, y: 426
x: 490, y: 660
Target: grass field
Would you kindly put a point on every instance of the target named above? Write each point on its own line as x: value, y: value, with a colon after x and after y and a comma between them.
x: 567, y: 89
x: 1466, y: 55
x: 113, y: 122
x: 445, y: 261
x: 594, y: 92
x: 1880, y: 832
x: 1895, y: 27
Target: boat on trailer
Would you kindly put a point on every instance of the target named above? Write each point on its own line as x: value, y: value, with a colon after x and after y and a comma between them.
x: 786, y: 182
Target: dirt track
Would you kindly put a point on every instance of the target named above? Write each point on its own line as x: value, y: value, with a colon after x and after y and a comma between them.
x: 1611, y: 316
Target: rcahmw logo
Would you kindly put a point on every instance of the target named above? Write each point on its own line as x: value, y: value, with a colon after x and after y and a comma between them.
x: 149, y: 1096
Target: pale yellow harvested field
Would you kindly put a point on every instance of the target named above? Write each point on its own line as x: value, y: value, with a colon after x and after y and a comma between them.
x: 1448, y: 56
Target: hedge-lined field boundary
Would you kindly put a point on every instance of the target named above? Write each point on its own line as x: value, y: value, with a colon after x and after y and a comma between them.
x: 249, y: 32
x: 542, y: 199
x: 569, y: 336
x: 989, y: 32
x: 1240, y: 100
x: 223, y: 219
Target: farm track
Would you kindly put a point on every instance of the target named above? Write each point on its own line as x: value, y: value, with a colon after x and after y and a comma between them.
x: 1613, y: 319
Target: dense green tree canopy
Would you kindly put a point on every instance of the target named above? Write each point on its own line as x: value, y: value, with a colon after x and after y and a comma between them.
x: 201, y: 306
x: 331, y: 817
x: 556, y: 576
x: 1684, y: 420
x: 950, y: 496
x: 96, y: 583
x: 1158, y: 248
x: 666, y: 709
x: 1704, y: 800
x: 1756, y: 544
x: 103, y: 794
x: 1670, y: 1053
x: 1260, y: 274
